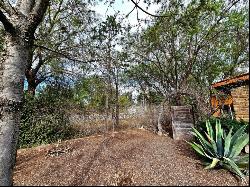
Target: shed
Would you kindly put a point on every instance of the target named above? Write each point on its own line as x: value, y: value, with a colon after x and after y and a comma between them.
x: 231, y: 97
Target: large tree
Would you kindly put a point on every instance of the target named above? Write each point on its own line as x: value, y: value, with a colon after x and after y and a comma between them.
x: 107, y: 38
x: 183, y: 51
x: 20, y: 21
x: 62, y: 43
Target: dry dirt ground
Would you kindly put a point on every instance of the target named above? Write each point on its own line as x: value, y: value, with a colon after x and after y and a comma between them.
x: 131, y: 157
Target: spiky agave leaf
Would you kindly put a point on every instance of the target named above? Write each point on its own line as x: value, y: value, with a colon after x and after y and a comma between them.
x: 213, y: 164
x: 206, y: 163
x: 228, y: 143
x: 210, y: 137
x: 242, y: 161
x: 209, y: 129
x: 244, y: 158
x: 223, y: 148
x: 240, y: 143
x: 218, y: 134
x: 202, y: 140
x: 230, y: 164
x: 237, y: 134
x: 213, y: 151
x: 199, y: 149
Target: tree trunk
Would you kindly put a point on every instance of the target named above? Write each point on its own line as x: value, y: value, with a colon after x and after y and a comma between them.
x: 31, y: 90
x: 107, y: 110
x: 19, y: 27
x: 117, y: 111
x: 161, y: 114
x: 159, y: 126
x: 32, y: 85
x: 12, y: 71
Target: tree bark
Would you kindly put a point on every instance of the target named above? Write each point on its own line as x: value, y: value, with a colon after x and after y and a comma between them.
x: 19, y: 26
x: 159, y: 122
x: 107, y: 110
x: 32, y: 82
x: 161, y: 114
x: 117, y: 107
x: 12, y: 71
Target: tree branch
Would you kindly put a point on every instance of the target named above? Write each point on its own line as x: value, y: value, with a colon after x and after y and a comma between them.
x: 130, y: 11
x: 40, y: 63
x: 5, y: 5
x: 26, y: 6
x: 65, y: 55
x: 6, y: 23
x: 18, y: 3
x: 136, y: 5
x: 222, y: 16
x: 37, y: 13
x: 53, y: 20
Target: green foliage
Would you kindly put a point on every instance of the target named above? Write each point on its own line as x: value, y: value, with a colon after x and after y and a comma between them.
x: 44, y: 119
x: 226, y: 123
x: 125, y: 100
x: 192, y: 46
x: 152, y: 97
x: 221, y: 148
x: 107, y: 29
x: 90, y: 93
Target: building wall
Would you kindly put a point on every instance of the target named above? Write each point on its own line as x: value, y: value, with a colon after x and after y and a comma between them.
x: 241, y: 102
x: 215, y: 102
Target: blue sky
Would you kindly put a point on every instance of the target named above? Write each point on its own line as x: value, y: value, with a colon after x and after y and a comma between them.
x: 125, y: 6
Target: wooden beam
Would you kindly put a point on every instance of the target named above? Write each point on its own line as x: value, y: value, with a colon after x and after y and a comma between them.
x: 232, y: 80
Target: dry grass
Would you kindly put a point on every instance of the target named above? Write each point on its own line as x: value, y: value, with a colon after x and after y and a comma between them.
x: 131, y: 157
x: 94, y: 127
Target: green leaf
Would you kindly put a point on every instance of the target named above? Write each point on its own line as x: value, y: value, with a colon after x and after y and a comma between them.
x: 242, y: 161
x: 240, y: 143
x: 218, y: 133
x: 228, y: 142
x: 214, y: 147
x: 209, y: 129
x: 244, y: 158
x: 233, y: 167
x: 237, y: 134
x: 213, y: 164
x: 198, y: 148
x: 202, y: 140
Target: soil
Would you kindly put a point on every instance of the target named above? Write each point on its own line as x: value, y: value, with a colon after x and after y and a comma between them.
x: 132, y: 157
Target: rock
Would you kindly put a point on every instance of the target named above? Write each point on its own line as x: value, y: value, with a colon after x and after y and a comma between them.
x: 159, y: 133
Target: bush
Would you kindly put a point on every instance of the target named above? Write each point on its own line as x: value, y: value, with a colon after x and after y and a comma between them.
x: 43, y: 120
x: 222, y: 149
x: 226, y: 124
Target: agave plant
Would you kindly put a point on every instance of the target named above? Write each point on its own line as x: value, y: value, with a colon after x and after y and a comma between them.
x: 222, y: 149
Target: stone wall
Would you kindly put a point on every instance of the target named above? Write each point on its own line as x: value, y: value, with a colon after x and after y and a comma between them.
x: 182, y: 122
x: 241, y: 102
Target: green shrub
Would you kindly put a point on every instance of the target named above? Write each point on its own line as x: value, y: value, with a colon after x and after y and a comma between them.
x: 43, y: 129
x: 221, y: 148
x: 226, y: 124
x: 43, y: 120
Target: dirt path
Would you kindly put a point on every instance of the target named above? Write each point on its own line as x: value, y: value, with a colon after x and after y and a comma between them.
x: 132, y: 157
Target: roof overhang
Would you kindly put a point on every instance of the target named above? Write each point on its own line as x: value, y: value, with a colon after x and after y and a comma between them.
x: 231, y: 81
